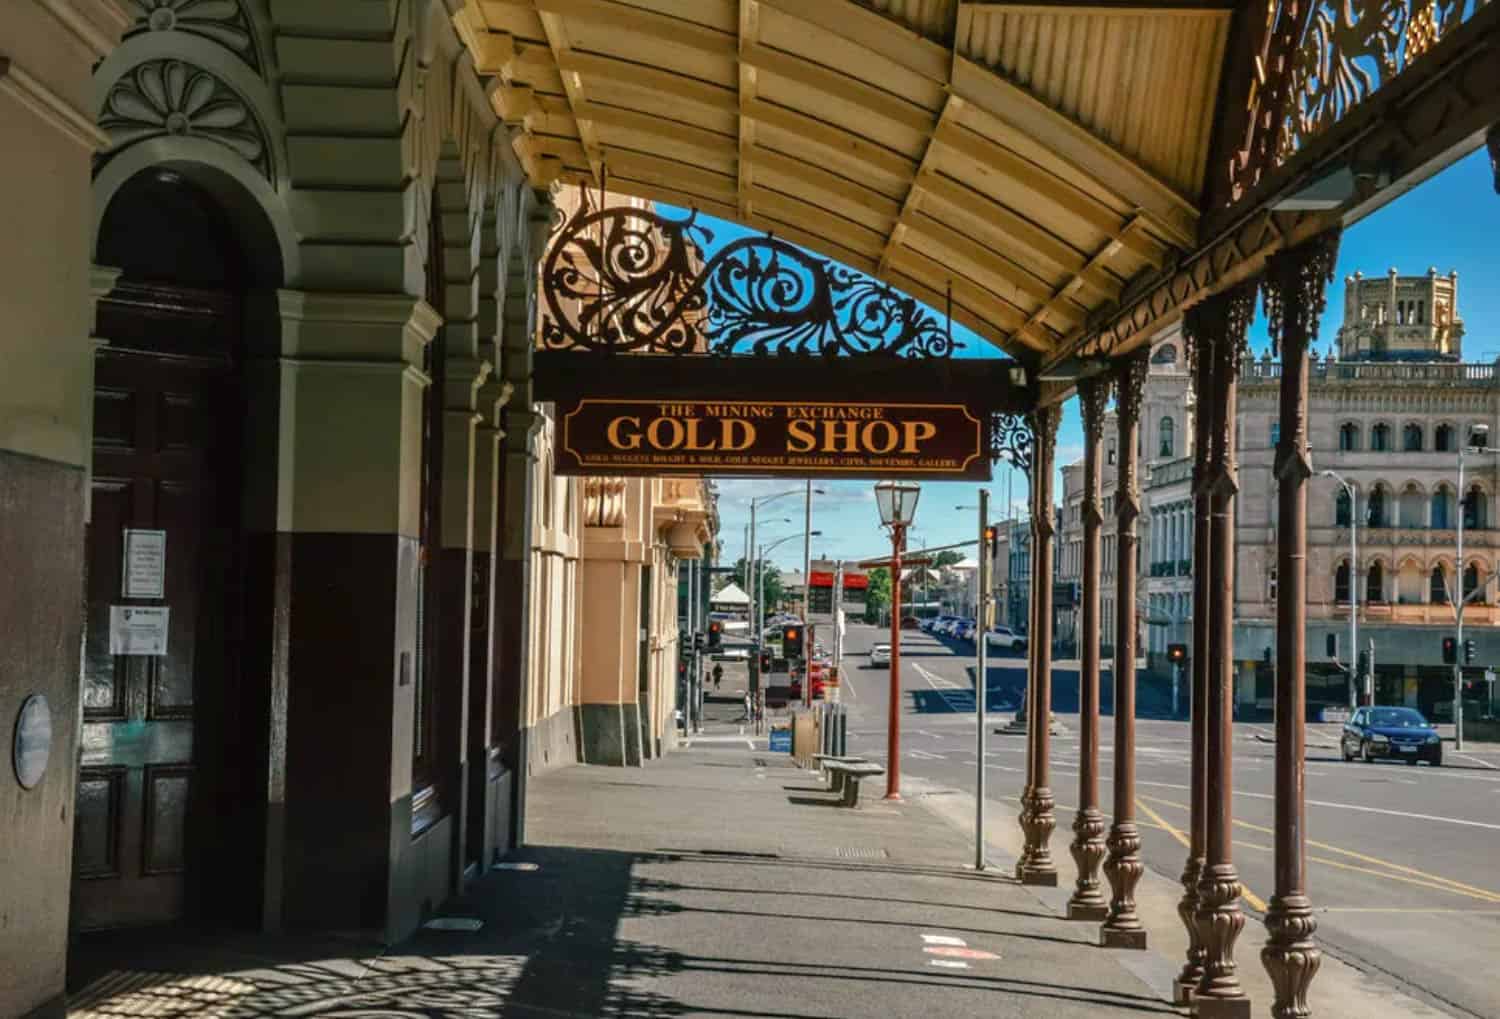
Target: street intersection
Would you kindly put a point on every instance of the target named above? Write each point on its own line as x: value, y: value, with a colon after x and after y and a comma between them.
x: 1400, y: 859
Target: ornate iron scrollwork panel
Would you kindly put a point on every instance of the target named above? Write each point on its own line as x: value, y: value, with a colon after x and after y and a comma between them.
x: 1012, y: 440
x: 629, y: 279
x: 1353, y: 48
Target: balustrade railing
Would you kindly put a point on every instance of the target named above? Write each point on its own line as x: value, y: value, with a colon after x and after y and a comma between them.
x: 1377, y: 371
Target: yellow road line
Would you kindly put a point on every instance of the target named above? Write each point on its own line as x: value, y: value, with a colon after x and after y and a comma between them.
x: 1419, y: 878
x: 1255, y: 901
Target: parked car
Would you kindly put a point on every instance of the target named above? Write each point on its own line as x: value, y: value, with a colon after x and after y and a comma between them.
x: 1398, y: 733
x: 964, y: 630
x: 909, y: 623
x: 1005, y: 637
x: 880, y: 655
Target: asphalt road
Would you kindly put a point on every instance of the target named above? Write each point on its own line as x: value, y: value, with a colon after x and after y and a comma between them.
x: 1402, y: 866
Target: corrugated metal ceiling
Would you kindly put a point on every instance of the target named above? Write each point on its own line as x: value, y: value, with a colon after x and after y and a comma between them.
x: 1145, y: 81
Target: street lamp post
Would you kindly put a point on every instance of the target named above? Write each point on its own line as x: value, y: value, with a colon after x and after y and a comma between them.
x: 897, y: 503
x: 755, y: 504
x: 981, y: 686
x: 1354, y: 573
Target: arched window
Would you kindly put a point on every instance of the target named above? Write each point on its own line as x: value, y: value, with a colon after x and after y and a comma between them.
x: 1437, y: 588
x: 1348, y: 437
x: 1471, y: 582
x: 1342, y: 511
x: 1411, y: 438
x: 1341, y: 583
x: 1442, y: 439
x: 1380, y: 438
x: 1375, y: 583
x: 1412, y: 505
x: 1377, y: 511
x: 1168, y: 428
x: 1409, y: 583
x: 1476, y: 509
x: 1442, y: 503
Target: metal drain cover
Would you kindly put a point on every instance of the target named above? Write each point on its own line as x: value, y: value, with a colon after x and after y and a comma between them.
x: 453, y: 923
x: 860, y: 853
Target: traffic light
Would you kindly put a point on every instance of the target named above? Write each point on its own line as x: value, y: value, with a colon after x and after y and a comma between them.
x: 1450, y: 650
x: 791, y: 641
x: 1469, y: 652
x: 715, y: 634
x: 765, y: 660
x: 1176, y: 653
x: 1364, y: 663
x: 989, y: 536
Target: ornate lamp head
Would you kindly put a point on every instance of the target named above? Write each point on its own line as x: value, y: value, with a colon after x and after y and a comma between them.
x: 897, y: 502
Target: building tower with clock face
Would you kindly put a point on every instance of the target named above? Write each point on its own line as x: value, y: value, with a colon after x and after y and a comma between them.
x: 1401, y: 318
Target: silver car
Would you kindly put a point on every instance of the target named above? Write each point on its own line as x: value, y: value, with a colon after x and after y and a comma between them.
x: 880, y: 655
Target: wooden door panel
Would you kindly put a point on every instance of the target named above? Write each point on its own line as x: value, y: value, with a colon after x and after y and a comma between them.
x: 166, y: 806
x: 104, y: 675
x: 96, y: 852
x: 179, y: 512
x: 158, y: 460
x: 114, y: 419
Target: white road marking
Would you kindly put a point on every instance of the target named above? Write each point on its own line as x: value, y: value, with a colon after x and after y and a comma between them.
x: 1476, y: 760
x: 949, y: 963
x: 1347, y: 806
x: 924, y: 755
x: 944, y: 939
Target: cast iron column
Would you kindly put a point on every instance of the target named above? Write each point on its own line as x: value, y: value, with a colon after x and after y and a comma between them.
x: 1122, y: 927
x: 1294, y: 296
x: 1089, y: 826
x: 1223, y: 320
x: 1205, y: 421
x: 1036, y: 867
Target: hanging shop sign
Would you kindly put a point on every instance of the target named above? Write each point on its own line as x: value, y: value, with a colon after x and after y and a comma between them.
x: 803, y: 438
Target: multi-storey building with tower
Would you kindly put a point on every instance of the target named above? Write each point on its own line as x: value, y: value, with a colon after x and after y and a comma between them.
x: 1392, y: 402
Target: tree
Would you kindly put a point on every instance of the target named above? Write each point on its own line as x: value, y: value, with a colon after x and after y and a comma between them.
x: 878, y: 594
x: 771, y: 583
x: 949, y: 558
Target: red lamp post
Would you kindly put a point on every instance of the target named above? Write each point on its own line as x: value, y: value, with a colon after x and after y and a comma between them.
x: 897, y: 502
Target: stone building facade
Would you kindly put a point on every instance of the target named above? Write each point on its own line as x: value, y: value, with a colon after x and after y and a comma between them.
x: 281, y: 327
x: 1390, y: 405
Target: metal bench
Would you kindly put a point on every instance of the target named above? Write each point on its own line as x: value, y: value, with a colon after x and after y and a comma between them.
x: 835, y: 778
x: 846, y: 775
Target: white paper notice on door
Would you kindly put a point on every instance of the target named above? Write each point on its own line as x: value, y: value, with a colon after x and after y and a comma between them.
x: 138, y: 629
x: 145, y: 567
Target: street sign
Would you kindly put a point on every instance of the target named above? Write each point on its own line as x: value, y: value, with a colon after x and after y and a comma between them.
x: 802, y: 438
x: 1489, y: 676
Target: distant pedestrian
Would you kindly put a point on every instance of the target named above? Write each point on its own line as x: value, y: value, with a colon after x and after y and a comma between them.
x: 748, y: 714
x: 718, y: 675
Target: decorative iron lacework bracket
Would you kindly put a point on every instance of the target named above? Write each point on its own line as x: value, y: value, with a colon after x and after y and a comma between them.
x: 623, y: 279
x: 1011, y: 440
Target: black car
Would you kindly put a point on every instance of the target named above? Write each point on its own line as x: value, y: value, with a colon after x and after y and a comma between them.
x: 1398, y: 733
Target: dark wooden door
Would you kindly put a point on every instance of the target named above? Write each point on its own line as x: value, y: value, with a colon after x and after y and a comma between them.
x: 165, y: 457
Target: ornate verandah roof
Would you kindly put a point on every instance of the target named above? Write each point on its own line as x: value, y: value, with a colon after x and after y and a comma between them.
x: 1038, y: 157
x: 1076, y: 172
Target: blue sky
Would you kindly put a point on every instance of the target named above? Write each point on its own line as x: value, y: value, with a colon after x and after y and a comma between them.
x: 1450, y: 222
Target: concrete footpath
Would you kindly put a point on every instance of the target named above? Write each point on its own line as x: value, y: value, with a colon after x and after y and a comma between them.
x: 719, y: 881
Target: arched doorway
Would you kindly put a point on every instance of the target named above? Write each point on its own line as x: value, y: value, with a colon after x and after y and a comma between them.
x: 166, y: 788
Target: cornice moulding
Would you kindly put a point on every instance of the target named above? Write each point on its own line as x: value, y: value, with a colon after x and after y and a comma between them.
x: 99, y: 30
x: 51, y: 107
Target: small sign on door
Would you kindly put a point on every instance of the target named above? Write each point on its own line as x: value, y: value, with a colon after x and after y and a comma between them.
x: 145, y: 569
x: 138, y: 629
